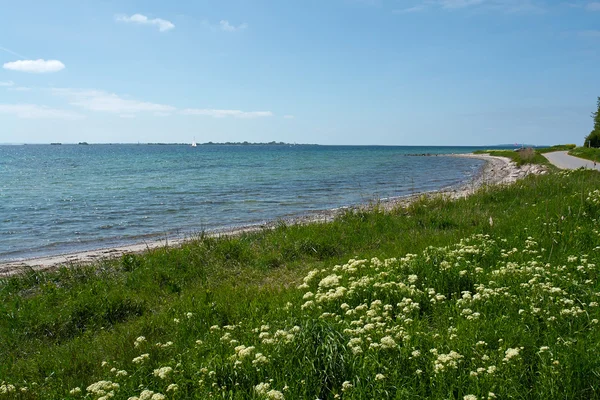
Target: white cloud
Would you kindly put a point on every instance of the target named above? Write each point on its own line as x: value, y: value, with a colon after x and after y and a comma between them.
x: 226, y: 113
x: 289, y: 117
x: 35, y: 66
x: 33, y: 111
x: 20, y: 89
x: 7, y: 83
x: 162, y: 24
x: 97, y: 100
x: 593, y: 6
x: 225, y: 26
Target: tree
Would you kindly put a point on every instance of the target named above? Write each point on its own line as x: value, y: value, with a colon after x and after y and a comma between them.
x: 593, y: 139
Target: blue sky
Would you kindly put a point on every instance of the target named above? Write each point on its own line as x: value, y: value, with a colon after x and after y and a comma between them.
x: 392, y: 72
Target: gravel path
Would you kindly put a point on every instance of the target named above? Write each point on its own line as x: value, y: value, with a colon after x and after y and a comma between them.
x: 564, y: 161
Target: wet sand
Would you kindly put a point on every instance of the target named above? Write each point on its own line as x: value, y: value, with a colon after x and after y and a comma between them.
x: 497, y: 171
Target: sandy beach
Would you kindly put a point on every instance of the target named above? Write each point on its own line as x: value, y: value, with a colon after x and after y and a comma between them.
x: 497, y: 171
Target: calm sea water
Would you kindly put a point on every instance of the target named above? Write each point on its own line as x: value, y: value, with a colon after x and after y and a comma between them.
x: 59, y: 199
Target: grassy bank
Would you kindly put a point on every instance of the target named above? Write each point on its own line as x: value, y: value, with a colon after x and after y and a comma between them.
x: 494, y: 296
x: 587, y: 153
x: 521, y: 157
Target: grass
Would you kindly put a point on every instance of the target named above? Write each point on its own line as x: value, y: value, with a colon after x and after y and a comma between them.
x: 493, y: 295
x: 520, y: 157
x: 558, y: 147
x: 589, y: 153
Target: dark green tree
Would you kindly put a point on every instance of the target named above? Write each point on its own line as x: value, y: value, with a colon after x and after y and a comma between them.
x: 593, y: 139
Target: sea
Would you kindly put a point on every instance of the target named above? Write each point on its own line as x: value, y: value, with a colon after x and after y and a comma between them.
x: 59, y: 199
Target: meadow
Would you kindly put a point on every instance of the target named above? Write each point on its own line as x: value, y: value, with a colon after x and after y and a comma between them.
x: 491, y: 296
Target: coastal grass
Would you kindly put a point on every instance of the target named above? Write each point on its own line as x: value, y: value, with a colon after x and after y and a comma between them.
x: 519, y: 157
x: 558, y: 147
x: 491, y: 296
x: 589, y: 153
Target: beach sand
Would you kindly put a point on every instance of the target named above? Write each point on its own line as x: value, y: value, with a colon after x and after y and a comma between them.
x: 497, y: 171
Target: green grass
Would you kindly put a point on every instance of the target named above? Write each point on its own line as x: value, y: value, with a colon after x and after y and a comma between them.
x: 589, y: 153
x: 558, y: 147
x: 441, y: 300
x: 522, y: 157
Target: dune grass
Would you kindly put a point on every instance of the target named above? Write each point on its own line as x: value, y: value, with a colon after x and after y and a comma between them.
x: 492, y: 296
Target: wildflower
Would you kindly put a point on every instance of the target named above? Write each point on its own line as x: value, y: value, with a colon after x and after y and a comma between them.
x: 243, y: 351
x: 172, y: 387
x: 176, y: 320
x: 262, y: 388
x: 470, y: 397
x: 379, y: 377
x: 347, y: 386
x: 274, y: 395
x: 259, y: 358
x: 189, y: 315
x: 75, y: 390
x: 139, y: 341
x: 510, y: 353
x: 162, y: 372
x: 102, y: 388
x: 121, y: 373
x: 330, y: 281
x: 141, y: 358
x: 388, y: 342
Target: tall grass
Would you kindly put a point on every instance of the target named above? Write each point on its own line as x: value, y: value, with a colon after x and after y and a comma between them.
x: 492, y: 295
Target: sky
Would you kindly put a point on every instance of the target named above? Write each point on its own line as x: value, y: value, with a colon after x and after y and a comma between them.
x: 362, y: 72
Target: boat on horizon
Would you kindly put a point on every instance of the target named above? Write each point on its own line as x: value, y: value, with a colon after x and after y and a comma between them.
x: 194, y: 143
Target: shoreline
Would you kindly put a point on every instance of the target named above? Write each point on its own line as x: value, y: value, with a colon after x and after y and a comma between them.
x: 496, y: 171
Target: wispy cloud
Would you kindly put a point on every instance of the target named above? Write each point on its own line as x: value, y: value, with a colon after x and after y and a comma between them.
x: 590, y: 33
x: 7, y: 83
x: 14, y: 53
x: 593, y: 6
x: 162, y: 24
x: 289, y: 116
x: 97, y: 100
x: 19, y: 89
x: 35, y: 66
x: 409, y: 10
x: 507, y: 6
x: 226, y: 113
x: 34, y: 111
x: 225, y: 26
x: 459, y: 3
x: 101, y: 101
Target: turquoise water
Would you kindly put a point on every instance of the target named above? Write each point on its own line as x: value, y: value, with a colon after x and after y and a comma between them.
x: 59, y: 199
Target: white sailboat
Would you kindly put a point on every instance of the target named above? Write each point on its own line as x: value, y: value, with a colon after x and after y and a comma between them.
x: 194, y: 143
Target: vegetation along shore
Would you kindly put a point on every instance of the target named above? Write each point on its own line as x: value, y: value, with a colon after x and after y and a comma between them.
x: 492, y: 295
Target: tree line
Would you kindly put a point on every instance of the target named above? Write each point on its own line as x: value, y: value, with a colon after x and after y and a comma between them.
x: 593, y: 139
